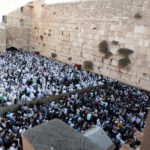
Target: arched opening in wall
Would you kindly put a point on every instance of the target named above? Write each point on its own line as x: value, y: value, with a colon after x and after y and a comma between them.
x: 12, y: 49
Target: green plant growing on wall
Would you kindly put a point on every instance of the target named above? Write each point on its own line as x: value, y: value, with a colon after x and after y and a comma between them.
x: 103, y: 48
x: 137, y: 16
x: 125, y: 52
x: 53, y: 55
x: 94, y: 28
x: 115, y: 43
x: 70, y: 58
x: 88, y: 65
x: 41, y: 37
x: 124, y: 62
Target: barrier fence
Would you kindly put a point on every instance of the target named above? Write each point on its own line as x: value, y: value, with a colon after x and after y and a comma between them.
x: 47, y: 99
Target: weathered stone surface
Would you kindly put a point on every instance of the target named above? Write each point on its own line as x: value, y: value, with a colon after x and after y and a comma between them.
x: 18, y: 28
x: 2, y: 37
x: 76, y: 29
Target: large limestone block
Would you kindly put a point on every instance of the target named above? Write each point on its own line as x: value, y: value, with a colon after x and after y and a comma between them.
x: 140, y: 29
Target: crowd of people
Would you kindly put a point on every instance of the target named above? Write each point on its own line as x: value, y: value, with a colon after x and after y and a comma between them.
x: 119, y: 109
x: 25, y: 76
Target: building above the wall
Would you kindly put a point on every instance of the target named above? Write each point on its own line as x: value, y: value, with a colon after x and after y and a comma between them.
x: 56, y: 135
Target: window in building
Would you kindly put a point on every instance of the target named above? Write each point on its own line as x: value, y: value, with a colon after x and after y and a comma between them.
x: 4, y: 19
x: 21, y: 9
x: 22, y: 22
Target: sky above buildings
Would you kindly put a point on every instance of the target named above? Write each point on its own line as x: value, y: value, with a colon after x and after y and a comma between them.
x: 7, y: 6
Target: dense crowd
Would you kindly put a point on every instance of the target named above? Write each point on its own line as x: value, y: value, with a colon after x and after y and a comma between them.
x: 120, y: 109
x: 25, y: 76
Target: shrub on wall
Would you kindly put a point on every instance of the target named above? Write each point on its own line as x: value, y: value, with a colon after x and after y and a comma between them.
x: 53, y: 55
x: 94, y: 28
x: 88, y: 65
x: 103, y: 48
x: 124, y: 62
x: 115, y: 43
x: 137, y: 16
x: 125, y: 51
x: 41, y: 37
x: 70, y: 58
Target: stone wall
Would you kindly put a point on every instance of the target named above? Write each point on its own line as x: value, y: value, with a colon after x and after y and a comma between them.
x: 2, y: 37
x: 145, y: 145
x: 76, y: 29
x: 18, y: 25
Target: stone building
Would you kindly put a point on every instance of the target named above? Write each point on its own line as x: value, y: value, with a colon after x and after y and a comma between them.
x: 145, y: 141
x: 56, y: 135
x: 74, y: 31
x: 99, y: 137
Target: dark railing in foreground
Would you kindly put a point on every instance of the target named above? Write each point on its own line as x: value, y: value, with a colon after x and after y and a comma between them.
x: 47, y: 99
